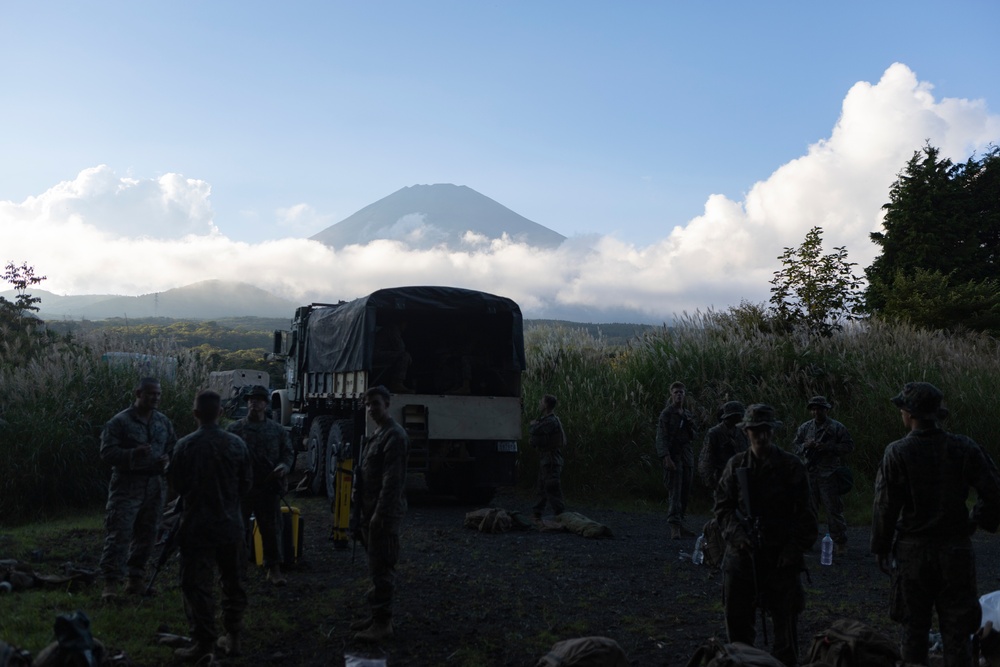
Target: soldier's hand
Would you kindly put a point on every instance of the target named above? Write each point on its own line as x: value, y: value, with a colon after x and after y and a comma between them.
x: 883, y: 563
x: 668, y: 463
x: 280, y: 470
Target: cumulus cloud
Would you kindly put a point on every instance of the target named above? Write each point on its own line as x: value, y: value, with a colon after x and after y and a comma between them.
x: 103, y: 233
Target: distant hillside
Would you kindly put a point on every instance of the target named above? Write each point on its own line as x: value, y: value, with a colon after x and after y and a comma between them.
x: 206, y: 300
x: 615, y: 333
x: 424, y: 216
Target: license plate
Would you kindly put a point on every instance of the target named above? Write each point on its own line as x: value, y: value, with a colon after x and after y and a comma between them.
x: 507, y: 446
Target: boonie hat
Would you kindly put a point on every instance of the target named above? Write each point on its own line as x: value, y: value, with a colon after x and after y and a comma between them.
x: 257, y: 391
x: 731, y: 408
x: 759, y: 414
x: 922, y: 400
x: 818, y: 401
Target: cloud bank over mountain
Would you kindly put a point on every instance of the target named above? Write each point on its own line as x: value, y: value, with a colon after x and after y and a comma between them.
x: 107, y: 233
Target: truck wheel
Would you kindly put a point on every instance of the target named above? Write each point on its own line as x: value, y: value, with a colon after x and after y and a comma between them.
x: 319, y: 432
x: 338, y: 446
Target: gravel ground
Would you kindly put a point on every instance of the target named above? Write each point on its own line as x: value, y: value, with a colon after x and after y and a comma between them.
x: 471, y: 598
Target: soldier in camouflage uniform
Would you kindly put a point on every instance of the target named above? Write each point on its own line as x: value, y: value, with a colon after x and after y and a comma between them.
x: 821, y: 442
x: 548, y: 437
x: 722, y: 442
x: 137, y: 442
x: 271, y: 451
x: 765, y: 541
x: 380, y: 488
x: 674, y: 435
x: 211, y: 470
x: 921, y: 526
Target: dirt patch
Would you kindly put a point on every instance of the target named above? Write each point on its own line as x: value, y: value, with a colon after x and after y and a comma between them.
x: 469, y: 598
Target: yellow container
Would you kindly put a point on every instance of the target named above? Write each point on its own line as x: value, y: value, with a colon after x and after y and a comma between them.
x: 292, y: 535
x: 342, y: 503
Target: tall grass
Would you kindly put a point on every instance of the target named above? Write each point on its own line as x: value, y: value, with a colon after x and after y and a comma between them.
x: 610, y: 398
x: 53, y: 407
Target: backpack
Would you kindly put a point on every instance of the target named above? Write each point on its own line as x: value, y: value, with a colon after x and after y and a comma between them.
x: 714, y: 546
x: 849, y: 643
x: 714, y: 653
x: 585, y: 652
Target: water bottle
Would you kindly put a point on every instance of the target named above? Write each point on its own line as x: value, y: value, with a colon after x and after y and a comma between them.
x: 826, y: 557
x: 698, y: 557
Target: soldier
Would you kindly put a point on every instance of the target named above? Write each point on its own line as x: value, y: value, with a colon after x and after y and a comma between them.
x: 920, y: 523
x: 137, y: 442
x: 211, y: 470
x: 272, y: 455
x: 821, y: 442
x: 380, y: 491
x: 674, y: 435
x: 548, y: 437
x: 767, y: 518
x: 722, y: 442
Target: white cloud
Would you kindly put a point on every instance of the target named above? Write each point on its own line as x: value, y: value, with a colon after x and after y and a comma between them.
x: 102, y: 233
x: 302, y: 220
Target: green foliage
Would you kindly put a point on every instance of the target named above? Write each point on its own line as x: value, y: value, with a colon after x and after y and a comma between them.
x: 812, y: 290
x: 928, y: 299
x: 943, y: 219
x: 610, y: 397
x: 54, y: 406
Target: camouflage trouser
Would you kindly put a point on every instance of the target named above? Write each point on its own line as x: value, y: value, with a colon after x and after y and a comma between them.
x: 781, y: 594
x: 382, y: 545
x: 198, y: 566
x: 678, y: 483
x: 549, y: 489
x: 266, y: 508
x: 824, y: 491
x: 132, y: 519
x: 928, y: 576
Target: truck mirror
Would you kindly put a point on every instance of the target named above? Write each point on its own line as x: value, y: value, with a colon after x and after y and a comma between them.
x: 278, y: 347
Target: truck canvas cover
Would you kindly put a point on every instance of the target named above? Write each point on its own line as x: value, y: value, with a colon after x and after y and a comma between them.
x: 341, y: 338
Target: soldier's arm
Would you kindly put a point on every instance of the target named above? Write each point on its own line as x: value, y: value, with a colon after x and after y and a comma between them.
x: 115, y: 446
x: 393, y: 477
x: 706, y: 461
x: 663, y: 436
x: 886, y: 506
x: 726, y: 506
x: 843, y: 444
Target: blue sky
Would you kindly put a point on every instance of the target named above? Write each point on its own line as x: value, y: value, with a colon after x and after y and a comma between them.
x: 184, y: 131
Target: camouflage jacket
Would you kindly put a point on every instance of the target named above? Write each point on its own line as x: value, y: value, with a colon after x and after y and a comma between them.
x: 126, y: 431
x: 781, y: 501
x: 674, y: 432
x: 269, y: 446
x: 212, y: 471
x: 381, y: 481
x: 547, y: 436
x: 833, y: 439
x: 722, y: 442
x: 922, y: 485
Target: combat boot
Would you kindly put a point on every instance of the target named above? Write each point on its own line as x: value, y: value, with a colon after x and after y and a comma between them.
x: 379, y: 630
x: 193, y: 653
x: 275, y: 577
x: 110, y: 592
x: 229, y: 643
x: 362, y: 624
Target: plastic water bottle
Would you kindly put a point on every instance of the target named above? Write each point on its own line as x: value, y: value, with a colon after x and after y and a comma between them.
x: 826, y: 557
x: 698, y: 557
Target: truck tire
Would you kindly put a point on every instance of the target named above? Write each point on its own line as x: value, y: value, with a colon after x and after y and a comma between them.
x: 319, y: 433
x: 338, y: 446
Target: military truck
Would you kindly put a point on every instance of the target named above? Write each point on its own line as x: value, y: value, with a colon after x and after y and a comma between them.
x: 452, y: 359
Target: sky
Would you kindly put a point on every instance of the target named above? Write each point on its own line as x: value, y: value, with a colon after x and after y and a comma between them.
x: 679, y: 146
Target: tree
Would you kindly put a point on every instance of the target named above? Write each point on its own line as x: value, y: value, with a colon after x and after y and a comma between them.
x: 20, y: 278
x: 814, y: 290
x: 930, y: 300
x: 943, y: 219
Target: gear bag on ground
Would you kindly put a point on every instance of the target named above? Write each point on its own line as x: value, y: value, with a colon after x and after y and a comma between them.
x: 849, y: 643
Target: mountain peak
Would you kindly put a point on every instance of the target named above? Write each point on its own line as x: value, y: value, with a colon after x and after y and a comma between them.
x: 425, y: 216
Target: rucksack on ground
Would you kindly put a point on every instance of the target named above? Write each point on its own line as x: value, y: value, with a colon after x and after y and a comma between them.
x: 714, y: 653
x: 585, y: 652
x: 849, y: 643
